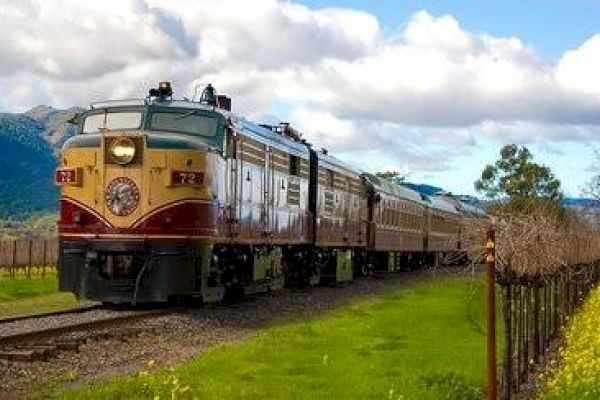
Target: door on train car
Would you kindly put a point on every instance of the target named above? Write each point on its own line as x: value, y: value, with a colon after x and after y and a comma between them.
x: 252, y: 194
x: 372, y: 201
x: 268, y: 194
x: 232, y: 216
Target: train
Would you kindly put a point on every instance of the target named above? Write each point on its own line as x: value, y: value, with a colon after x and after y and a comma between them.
x: 165, y: 198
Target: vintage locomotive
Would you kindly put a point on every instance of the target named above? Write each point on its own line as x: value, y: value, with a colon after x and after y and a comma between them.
x: 165, y: 198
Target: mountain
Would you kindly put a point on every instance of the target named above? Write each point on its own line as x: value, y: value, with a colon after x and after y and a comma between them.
x: 55, y: 123
x: 29, y: 144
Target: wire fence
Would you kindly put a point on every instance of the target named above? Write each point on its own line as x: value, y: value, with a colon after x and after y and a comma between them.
x: 546, y: 262
x: 28, y: 257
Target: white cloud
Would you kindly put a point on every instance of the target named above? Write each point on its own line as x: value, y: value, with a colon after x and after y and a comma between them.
x: 423, y: 94
x: 578, y: 69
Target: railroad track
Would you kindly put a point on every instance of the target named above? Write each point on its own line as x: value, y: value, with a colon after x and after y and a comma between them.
x: 15, y: 318
x: 43, y: 343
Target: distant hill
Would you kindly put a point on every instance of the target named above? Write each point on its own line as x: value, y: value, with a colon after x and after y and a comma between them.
x: 581, y: 202
x: 29, y: 143
x: 56, y: 129
x: 575, y: 202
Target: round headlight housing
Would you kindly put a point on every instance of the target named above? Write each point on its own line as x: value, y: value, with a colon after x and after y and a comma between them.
x: 122, y: 150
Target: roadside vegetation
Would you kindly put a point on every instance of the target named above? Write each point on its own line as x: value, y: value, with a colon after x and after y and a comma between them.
x: 422, y: 341
x: 35, y: 226
x: 578, y: 376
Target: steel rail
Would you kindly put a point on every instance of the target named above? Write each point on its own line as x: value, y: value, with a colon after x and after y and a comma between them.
x: 81, y: 326
x: 76, y: 310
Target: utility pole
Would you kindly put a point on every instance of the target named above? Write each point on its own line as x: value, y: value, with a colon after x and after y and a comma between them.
x: 490, y: 295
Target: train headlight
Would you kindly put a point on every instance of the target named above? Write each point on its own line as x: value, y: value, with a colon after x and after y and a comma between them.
x: 123, y: 150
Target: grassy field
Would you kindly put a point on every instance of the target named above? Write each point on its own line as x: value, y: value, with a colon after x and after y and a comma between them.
x: 419, y: 342
x: 578, y: 376
x: 34, y: 295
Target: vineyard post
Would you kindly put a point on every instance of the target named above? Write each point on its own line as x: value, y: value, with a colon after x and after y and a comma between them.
x: 14, y: 259
x: 44, y: 262
x: 536, y: 319
x: 490, y: 290
x: 29, y: 258
x: 507, y: 382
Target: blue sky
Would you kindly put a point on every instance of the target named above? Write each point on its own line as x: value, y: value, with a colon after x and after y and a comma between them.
x: 551, y: 26
x: 431, y: 89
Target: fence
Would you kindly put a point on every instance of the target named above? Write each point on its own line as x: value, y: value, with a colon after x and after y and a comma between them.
x: 28, y: 257
x: 534, y: 309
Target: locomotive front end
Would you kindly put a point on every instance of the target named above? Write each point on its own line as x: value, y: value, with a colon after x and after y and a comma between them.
x: 140, y: 201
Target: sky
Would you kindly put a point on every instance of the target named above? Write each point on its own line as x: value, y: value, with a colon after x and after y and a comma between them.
x: 428, y: 88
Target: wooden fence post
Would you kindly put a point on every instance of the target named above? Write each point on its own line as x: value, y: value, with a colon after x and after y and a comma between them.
x: 29, y: 258
x: 490, y: 289
x: 526, y: 328
x: 13, y: 258
x: 44, y: 261
x: 508, y: 349
x: 519, y: 307
x: 536, y: 320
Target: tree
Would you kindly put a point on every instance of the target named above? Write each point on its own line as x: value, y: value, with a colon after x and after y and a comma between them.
x: 393, y: 176
x: 592, y: 188
x: 517, y: 177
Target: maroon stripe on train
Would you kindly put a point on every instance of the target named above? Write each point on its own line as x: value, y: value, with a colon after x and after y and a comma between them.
x: 188, y: 219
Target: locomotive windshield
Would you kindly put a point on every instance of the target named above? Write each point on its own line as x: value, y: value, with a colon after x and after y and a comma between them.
x: 184, y: 122
x: 110, y: 121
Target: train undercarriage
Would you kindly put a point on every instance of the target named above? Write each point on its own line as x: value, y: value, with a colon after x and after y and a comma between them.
x: 161, y: 271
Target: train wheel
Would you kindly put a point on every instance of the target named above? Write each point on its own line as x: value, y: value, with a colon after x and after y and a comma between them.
x: 364, y: 270
x: 315, y: 278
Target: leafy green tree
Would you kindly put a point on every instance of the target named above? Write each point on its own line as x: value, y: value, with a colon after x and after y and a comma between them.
x: 393, y: 176
x: 516, y: 177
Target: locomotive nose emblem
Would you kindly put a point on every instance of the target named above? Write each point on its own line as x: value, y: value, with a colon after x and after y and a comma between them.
x: 122, y: 196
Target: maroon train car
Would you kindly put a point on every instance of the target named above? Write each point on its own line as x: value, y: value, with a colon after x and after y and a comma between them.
x: 340, y: 217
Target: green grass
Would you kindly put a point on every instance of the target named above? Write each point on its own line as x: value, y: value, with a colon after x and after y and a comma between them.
x: 419, y: 342
x: 33, y: 295
x: 23, y: 288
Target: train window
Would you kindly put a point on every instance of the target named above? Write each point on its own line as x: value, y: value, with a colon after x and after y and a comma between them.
x: 294, y: 165
x: 329, y: 178
x: 111, y: 121
x: 185, y: 122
